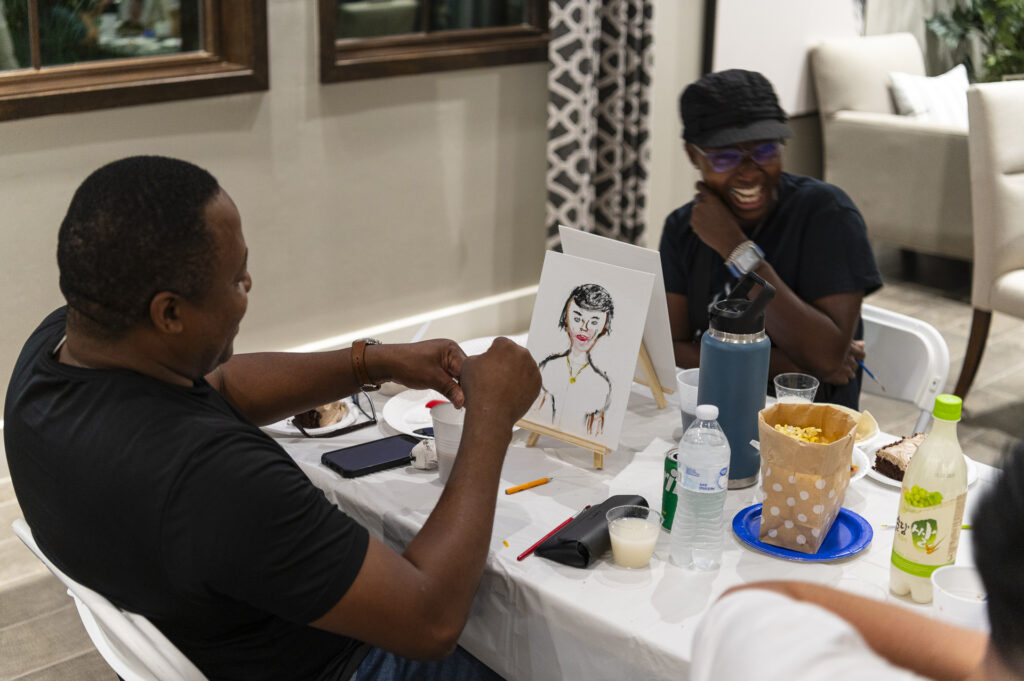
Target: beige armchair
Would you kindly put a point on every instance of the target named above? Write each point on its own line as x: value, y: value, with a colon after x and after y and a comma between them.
x: 909, y: 178
x: 997, y: 187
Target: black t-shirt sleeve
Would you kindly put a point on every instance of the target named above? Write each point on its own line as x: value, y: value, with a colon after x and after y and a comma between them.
x: 674, y: 256
x: 836, y: 256
x: 251, y: 526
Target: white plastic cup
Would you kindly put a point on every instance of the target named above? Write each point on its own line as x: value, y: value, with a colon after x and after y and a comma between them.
x: 794, y: 387
x: 634, y: 531
x: 686, y: 385
x: 958, y: 596
x: 447, y: 434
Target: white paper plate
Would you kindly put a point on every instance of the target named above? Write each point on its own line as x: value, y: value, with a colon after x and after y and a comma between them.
x: 860, y: 460
x: 478, y: 346
x: 407, y: 411
x: 972, y: 467
x: 285, y: 427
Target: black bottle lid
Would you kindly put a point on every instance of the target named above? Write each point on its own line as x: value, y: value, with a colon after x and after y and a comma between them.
x: 738, y: 314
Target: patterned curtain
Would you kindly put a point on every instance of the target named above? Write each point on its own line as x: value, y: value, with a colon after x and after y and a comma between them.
x: 598, y: 109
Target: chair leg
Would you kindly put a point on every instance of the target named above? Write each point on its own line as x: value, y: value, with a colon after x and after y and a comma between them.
x: 975, y: 348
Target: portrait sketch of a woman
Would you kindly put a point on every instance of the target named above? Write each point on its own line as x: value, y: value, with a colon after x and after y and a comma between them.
x: 576, y: 392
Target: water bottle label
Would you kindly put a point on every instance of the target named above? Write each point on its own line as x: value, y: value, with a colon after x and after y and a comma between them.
x: 927, y: 537
x: 710, y: 479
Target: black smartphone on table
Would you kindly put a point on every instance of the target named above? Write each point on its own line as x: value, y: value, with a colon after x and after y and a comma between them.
x: 370, y: 457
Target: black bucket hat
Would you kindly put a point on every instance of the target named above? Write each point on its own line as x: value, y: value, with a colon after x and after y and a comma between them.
x: 730, y: 107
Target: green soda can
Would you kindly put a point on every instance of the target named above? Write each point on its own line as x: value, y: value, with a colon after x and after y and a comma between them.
x: 668, y: 490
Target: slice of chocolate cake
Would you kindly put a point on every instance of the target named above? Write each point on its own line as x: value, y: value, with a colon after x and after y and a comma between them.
x: 891, y: 461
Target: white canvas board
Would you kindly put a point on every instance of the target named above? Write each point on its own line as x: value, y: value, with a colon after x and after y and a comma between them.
x: 586, y: 350
x: 775, y: 38
x: 657, y: 334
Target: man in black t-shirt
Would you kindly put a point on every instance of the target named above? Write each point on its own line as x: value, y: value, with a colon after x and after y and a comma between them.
x: 803, y: 236
x: 132, y: 437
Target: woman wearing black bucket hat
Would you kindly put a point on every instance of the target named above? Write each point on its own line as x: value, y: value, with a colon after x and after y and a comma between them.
x: 802, y: 235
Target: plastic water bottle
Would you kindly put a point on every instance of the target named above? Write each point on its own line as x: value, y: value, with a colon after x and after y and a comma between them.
x: 696, y: 540
x: 931, y: 510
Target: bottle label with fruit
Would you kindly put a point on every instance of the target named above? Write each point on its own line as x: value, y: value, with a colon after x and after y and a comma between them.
x: 927, y: 531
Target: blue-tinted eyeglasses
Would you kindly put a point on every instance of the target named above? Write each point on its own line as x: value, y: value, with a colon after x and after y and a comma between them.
x: 726, y: 160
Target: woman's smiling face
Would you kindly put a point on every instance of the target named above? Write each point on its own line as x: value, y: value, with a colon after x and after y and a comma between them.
x: 584, y: 326
x: 749, y: 188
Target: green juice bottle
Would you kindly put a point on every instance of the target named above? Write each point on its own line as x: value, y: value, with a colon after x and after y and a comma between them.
x: 931, y: 506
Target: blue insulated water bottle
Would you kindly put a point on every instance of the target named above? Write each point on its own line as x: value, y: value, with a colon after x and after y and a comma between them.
x: 734, y: 355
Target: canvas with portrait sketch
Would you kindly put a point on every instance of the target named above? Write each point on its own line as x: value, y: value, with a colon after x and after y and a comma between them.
x: 657, y: 334
x: 585, y: 333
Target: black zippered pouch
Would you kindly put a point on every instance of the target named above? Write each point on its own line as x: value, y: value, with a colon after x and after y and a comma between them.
x: 586, y: 538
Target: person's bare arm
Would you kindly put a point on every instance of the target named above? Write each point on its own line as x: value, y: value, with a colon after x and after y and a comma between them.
x: 907, y: 639
x: 687, y: 352
x: 417, y: 603
x: 815, y: 335
x: 270, y: 386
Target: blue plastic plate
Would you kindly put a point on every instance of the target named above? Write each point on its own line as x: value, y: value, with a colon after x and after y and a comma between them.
x: 850, y: 534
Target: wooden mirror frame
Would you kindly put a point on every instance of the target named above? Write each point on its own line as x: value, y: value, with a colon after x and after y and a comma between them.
x: 359, y: 58
x: 233, y: 59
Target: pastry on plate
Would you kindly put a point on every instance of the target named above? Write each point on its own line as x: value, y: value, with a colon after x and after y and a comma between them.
x: 321, y: 417
x: 892, y: 460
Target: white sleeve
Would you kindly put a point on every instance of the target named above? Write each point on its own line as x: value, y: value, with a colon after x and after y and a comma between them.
x: 763, y: 635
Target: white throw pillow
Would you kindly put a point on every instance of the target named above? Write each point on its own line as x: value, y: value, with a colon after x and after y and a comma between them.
x: 942, y: 99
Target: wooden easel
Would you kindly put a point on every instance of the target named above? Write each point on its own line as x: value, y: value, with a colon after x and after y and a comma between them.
x: 599, y: 450
x: 536, y: 430
x: 651, y: 379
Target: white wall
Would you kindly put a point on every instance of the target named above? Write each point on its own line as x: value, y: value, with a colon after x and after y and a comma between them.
x: 361, y: 202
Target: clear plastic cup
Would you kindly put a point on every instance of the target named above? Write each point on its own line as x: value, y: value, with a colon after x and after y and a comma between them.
x: 634, y: 531
x: 447, y: 434
x: 795, y: 387
x: 686, y: 386
x: 959, y: 597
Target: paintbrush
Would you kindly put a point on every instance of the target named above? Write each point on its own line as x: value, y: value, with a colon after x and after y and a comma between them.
x: 871, y: 375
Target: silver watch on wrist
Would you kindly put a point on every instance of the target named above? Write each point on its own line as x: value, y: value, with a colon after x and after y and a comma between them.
x: 744, y: 258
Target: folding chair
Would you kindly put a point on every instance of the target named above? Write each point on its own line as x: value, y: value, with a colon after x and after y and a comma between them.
x: 129, y: 643
x: 909, y: 357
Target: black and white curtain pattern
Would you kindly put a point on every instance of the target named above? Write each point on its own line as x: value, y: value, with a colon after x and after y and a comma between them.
x: 599, y: 66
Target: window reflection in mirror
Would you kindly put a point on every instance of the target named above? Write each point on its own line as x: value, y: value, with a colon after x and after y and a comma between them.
x: 376, y: 18
x: 449, y: 15
x: 8, y: 55
x: 72, y: 31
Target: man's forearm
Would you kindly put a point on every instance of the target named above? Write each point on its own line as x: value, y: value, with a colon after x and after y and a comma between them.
x: 907, y: 639
x: 269, y: 386
x: 462, y: 522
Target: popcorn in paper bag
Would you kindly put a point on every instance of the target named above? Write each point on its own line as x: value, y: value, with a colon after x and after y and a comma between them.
x: 804, y: 482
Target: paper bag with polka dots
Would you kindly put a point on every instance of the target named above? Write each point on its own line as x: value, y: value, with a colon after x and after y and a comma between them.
x: 804, y: 482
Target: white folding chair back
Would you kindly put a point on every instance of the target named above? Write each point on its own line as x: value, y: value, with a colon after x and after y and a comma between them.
x: 130, y: 644
x: 909, y: 357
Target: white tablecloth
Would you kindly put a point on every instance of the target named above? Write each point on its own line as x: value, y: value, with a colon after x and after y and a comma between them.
x: 537, y: 620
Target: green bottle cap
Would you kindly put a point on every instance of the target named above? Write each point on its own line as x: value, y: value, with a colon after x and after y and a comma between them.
x: 947, y: 407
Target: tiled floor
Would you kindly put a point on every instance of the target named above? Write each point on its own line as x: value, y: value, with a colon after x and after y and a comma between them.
x: 41, y: 638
